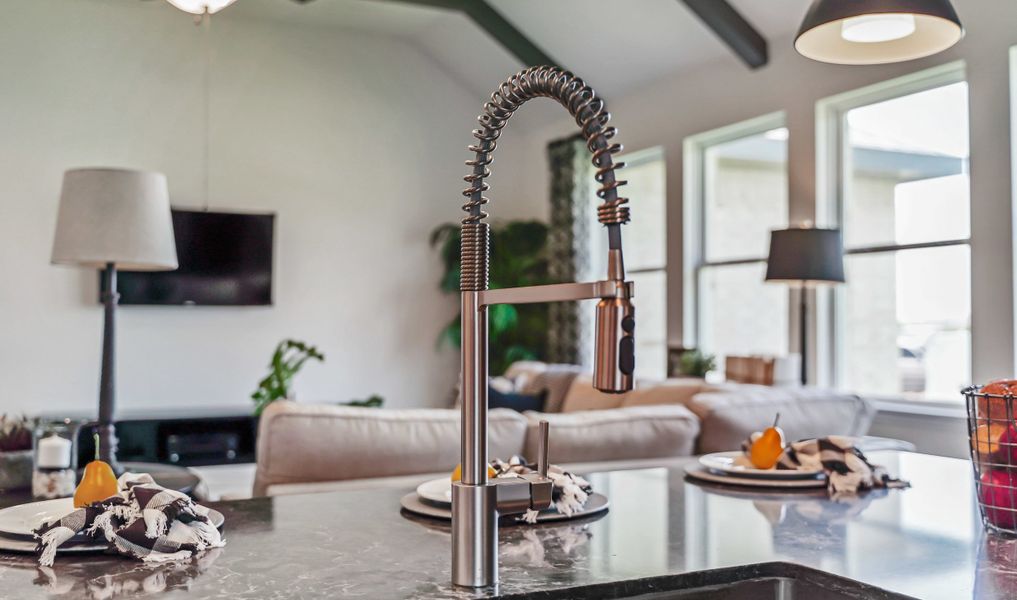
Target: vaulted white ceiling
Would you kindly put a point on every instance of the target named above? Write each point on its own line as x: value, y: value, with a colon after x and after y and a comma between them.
x: 617, y: 45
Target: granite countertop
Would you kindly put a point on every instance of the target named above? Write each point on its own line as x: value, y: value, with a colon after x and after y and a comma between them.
x: 925, y: 542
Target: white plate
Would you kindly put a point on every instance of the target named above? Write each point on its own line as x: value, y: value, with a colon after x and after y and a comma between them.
x: 436, y: 490
x: 22, y: 519
x: 727, y: 462
x: 595, y: 504
x: 697, y: 471
x: 18, y: 522
x: 27, y: 547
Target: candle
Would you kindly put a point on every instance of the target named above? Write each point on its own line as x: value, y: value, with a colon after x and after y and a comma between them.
x: 53, y: 452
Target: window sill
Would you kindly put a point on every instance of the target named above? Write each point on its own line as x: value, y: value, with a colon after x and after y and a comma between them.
x: 928, y: 408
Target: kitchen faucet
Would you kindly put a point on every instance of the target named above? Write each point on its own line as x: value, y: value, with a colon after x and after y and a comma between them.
x: 477, y: 502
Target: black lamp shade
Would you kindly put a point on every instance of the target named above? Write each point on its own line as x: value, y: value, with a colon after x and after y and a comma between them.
x: 806, y: 254
x: 867, y: 32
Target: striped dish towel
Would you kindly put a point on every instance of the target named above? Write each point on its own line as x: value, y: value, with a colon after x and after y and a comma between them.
x: 568, y: 496
x: 847, y: 470
x: 143, y: 521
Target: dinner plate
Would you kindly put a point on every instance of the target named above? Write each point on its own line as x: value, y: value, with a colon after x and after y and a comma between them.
x: 18, y: 522
x: 729, y: 463
x: 698, y: 471
x: 595, y: 504
x: 438, y: 491
x: 26, y: 546
x: 21, y: 520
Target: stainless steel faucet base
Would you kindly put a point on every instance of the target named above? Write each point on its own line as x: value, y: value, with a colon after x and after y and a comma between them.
x: 474, y: 534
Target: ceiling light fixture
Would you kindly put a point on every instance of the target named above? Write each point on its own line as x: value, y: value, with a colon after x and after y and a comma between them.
x: 871, y: 29
x: 201, y: 7
x: 869, y: 32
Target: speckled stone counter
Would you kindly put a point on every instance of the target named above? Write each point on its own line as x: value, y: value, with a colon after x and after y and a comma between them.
x: 924, y: 542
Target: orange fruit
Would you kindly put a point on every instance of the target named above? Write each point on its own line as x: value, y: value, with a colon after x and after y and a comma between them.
x: 767, y: 448
x: 457, y: 473
x: 985, y: 439
x: 994, y: 409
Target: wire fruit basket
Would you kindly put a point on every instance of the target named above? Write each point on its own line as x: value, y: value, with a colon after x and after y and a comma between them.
x: 992, y: 432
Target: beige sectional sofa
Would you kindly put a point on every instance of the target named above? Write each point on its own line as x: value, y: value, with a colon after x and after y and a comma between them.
x: 727, y: 412
x: 301, y: 444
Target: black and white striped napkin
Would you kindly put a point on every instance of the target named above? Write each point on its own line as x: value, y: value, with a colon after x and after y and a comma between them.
x: 568, y: 496
x: 847, y: 470
x: 143, y: 521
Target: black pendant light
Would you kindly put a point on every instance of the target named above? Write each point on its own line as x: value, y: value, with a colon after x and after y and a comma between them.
x: 869, y: 32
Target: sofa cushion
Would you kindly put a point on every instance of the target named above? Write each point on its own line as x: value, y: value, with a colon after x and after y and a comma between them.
x: 672, y: 391
x: 515, y: 400
x: 614, y: 434
x: 583, y: 396
x: 533, y: 377
x: 728, y: 417
x: 309, y: 442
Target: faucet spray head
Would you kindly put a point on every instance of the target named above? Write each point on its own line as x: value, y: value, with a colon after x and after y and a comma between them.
x: 614, y: 343
x: 615, y: 358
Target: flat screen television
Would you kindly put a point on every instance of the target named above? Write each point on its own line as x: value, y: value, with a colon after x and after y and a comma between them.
x: 225, y: 260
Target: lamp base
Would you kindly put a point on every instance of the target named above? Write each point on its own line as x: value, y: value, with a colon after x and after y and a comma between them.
x: 108, y: 447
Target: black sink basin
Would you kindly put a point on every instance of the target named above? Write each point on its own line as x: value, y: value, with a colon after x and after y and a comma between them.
x: 766, y: 581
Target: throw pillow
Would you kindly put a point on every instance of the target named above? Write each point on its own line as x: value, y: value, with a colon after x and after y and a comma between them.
x: 515, y: 400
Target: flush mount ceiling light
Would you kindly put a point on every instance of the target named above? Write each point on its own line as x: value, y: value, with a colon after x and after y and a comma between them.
x: 869, y: 32
x: 201, y: 7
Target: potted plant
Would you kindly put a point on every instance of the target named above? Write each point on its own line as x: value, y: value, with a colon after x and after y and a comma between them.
x: 15, y: 453
x: 519, y: 257
x: 287, y: 360
x: 694, y: 363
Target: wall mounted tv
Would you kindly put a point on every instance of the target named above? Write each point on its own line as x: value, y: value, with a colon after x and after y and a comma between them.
x: 225, y: 260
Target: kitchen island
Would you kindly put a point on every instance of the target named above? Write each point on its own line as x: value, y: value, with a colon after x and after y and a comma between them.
x: 925, y: 542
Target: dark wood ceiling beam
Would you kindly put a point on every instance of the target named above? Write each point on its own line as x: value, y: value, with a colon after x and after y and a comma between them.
x: 733, y: 30
x: 496, y: 26
x: 513, y: 40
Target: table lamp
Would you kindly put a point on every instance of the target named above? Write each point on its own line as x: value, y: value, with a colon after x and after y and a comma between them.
x: 803, y: 256
x: 113, y: 219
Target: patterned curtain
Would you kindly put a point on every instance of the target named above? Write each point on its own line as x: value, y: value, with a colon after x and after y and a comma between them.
x: 571, y: 174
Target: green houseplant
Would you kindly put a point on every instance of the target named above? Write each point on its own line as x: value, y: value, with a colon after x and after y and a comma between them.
x: 287, y: 360
x: 695, y: 363
x: 518, y: 257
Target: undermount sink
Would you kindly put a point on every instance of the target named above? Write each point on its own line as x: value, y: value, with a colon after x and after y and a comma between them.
x: 766, y: 581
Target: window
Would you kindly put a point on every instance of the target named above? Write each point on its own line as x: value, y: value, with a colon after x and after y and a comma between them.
x: 645, y: 245
x: 738, y: 190
x: 903, y: 319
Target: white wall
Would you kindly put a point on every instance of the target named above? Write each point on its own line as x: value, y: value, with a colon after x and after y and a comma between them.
x: 356, y: 141
x: 726, y: 92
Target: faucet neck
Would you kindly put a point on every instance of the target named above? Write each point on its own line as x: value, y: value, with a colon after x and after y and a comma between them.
x: 591, y: 115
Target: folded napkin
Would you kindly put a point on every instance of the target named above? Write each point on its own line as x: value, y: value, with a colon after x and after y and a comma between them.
x: 847, y: 470
x: 568, y: 496
x: 144, y: 521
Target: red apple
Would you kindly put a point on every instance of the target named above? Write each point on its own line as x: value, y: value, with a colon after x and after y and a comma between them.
x: 1007, y: 452
x: 998, y: 496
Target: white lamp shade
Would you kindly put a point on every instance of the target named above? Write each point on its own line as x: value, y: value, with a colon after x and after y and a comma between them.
x: 200, y: 7
x: 115, y: 216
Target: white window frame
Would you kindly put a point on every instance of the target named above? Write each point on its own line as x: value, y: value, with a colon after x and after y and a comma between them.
x: 832, y: 163
x: 694, y: 214
x: 597, y: 242
x: 633, y: 159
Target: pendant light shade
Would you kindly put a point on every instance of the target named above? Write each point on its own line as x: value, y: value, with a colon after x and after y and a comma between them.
x: 200, y: 7
x: 869, y: 32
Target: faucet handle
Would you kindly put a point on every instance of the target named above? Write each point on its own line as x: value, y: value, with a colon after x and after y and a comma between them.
x: 542, y: 441
x: 516, y: 495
